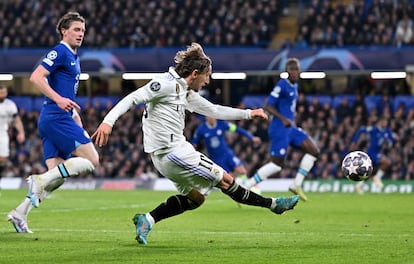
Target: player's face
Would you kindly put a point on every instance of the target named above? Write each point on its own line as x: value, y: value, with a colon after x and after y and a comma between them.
x: 383, y: 123
x: 199, y: 79
x: 3, y: 94
x: 74, y: 34
x: 294, y: 72
x: 211, y: 121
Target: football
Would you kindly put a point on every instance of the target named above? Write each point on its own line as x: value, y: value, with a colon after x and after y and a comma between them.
x: 357, y: 166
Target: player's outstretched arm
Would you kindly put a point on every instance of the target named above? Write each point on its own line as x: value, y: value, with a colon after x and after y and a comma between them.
x: 101, y: 135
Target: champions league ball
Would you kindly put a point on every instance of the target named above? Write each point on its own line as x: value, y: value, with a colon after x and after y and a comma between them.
x: 357, y: 166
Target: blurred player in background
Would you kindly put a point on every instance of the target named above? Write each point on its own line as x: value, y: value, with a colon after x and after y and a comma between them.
x: 167, y: 98
x: 283, y: 132
x: 59, y: 124
x: 213, y: 133
x: 379, y: 136
x: 8, y: 115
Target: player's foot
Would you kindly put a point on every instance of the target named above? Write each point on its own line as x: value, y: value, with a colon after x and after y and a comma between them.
x: 284, y: 204
x: 378, y: 182
x: 358, y: 189
x: 35, y: 189
x: 143, y: 227
x: 18, y: 222
x: 298, y: 191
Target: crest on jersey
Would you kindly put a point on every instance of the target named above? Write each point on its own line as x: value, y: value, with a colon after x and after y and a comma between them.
x: 52, y: 55
x: 155, y: 86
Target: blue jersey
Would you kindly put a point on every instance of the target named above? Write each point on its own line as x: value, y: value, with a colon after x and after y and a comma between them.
x: 64, y: 68
x: 60, y: 134
x: 283, y: 98
x: 215, y: 142
x: 377, y: 138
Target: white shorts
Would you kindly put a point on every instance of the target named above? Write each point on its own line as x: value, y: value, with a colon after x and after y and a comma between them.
x: 188, y: 169
x: 4, y: 146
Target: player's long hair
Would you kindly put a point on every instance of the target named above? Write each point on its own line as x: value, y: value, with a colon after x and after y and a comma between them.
x: 66, y: 21
x: 191, y: 59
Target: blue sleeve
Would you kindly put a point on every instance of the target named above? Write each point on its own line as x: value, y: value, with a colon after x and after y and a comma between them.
x: 358, y: 134
x: 53, y: 59
x: 196, y: 137
x: 391, y: 136
x: 244, y: 132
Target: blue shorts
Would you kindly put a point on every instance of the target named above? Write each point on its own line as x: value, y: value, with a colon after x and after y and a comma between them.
x: 61, y: 137
x: 375, y: 158
x: 228, y: 162
x: 282, y: 137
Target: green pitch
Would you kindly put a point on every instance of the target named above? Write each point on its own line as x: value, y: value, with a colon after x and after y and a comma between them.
x: 96, y: 227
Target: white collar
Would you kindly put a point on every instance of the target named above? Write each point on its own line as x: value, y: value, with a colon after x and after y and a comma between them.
x: 67, y: 45
x: 177, y: 77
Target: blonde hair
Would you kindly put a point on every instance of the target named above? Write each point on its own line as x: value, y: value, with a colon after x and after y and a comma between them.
x: 193, y: 58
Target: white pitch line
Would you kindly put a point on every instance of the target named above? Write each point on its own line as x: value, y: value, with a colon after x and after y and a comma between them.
x: 201, y: 232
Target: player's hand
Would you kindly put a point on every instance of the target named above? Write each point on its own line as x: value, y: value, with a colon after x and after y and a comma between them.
x: 287, y: 122
x: 257, y: 140
x: 101, y: 135
x: 260, y: 113
x: 67, y: 105
x: 20, y: 137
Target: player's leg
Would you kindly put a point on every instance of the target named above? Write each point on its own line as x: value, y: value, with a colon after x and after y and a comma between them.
x: 279, y: 144
x: 308, y: 160
x: 174, y: 205
x: 70, y: 167
x: 18, y: 216
x: 4, y: 152
x: 384, y: 164
x: 3, y: 161
x: 63, y: 140
x: 183, y: 168
x: 244, y: 196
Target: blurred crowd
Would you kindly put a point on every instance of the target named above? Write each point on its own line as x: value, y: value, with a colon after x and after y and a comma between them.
x: 224, y: 23
x: 358, y: 23
x: 142, y: 23
x: 331, y: 128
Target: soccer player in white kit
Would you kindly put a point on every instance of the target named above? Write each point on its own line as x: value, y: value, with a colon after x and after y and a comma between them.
x: 167, y: 98
x: 8, y: 115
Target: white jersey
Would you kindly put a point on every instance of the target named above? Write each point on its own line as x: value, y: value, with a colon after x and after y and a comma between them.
x: 8, y: 110
x: 166, y: 98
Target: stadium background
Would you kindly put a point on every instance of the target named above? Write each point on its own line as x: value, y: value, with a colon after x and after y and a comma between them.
x: 346, y: 40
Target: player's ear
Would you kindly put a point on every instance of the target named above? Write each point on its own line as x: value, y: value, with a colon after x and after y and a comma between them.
x: 195, y: 73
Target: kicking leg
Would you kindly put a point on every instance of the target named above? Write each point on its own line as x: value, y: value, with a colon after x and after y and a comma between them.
x: 174, y: 205
x: 244, y: 196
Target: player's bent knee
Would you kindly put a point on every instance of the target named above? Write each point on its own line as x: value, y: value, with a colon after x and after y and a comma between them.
x: 226, y: 181
x: 195, y: 199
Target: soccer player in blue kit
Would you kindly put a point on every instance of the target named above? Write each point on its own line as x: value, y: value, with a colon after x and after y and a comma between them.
x: 213, y: 133
x: 378, y: 136
x: 283, y: 132
x: 59, y: 124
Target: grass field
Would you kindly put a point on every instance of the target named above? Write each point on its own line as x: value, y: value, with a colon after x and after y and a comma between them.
x: 96, y: 227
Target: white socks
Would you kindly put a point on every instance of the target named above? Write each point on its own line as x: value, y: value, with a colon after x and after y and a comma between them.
x: 262, y: 174
x: 54, y: 178
x: 379, y: 174
x: 305, y: 166
x: 68, y: 168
